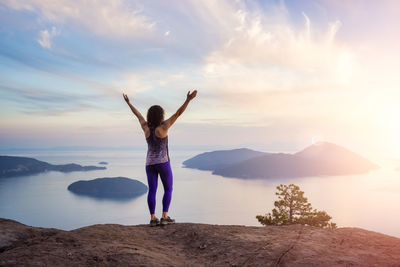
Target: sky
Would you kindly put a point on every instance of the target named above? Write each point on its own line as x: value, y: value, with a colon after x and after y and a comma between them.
x: 271, y: 75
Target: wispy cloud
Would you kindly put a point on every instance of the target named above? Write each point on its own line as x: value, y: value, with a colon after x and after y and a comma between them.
x: 38, y: 102
x: 45, y: 37
x: 266, y: 65
x: 276, y: 55
x: 108, y: 18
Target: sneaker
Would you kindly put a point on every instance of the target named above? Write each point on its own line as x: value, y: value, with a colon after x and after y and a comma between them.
x: 168, y: 220
x: 154, y: 222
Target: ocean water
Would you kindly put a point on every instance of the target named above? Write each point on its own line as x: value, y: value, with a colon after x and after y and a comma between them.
x: 369, y: 201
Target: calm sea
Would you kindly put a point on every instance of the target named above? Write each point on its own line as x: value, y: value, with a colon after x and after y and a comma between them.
x: 369, y: 201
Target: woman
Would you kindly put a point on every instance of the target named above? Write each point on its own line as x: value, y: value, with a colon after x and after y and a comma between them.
x: 157, y: 161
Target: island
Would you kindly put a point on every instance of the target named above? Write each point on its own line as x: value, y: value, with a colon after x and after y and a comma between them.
x: 320, y: 159
x: 11, y: 166
x: 194, y: 244
x: 103, y: 163
x: 211, y: 160
x: 109, y: 188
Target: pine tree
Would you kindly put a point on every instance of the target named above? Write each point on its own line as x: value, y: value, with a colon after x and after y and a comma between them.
x: 292, y: 207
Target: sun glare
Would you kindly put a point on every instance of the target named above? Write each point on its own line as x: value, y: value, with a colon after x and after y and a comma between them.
x: 345, y: 67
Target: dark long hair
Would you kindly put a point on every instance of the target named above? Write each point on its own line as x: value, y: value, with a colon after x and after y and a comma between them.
x: 155, y: 115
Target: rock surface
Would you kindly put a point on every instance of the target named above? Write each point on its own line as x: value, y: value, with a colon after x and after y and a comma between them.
x: 188, y: 244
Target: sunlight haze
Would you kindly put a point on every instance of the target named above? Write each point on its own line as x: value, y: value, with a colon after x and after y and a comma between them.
x: 270, y: 75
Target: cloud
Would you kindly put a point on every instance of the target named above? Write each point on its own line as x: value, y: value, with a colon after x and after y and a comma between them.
x: 258, y: 45
x: 48, y: 102
x: 117, y: 18
x: 255, y: 52
x: 262, y: 58
x: 45, y: 38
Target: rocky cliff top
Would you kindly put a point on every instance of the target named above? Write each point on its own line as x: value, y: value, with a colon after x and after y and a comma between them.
x: 188, y: 244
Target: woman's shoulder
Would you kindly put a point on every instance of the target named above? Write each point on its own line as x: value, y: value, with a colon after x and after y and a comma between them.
x: 160, y: 132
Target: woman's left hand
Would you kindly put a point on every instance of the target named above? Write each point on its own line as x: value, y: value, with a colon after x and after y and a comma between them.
x: 192, y: 95
x: 126, y: 98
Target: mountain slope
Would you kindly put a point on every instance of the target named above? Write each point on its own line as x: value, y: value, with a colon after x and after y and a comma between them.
x: 277, y: 165
x: 328, y: 152
x: 212, y: 160
x: 319, y: 159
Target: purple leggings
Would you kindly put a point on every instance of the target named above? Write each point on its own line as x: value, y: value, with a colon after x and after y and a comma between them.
x: 152, y: 171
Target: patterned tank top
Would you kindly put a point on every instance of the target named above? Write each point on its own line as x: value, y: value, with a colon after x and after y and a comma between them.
x: 157, y: 148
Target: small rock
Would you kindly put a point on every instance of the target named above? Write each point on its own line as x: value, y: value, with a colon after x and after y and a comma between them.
x: 202, y: 246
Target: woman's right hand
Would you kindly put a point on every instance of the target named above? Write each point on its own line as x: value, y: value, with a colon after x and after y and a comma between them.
x: 126, y: 98
x: 192, y: 95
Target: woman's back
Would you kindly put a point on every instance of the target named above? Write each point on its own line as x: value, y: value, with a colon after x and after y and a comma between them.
x: 157, y: 148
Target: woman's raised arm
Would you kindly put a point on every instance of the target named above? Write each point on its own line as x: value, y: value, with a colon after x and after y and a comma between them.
x: 168, y: 123
x: 142, y: 121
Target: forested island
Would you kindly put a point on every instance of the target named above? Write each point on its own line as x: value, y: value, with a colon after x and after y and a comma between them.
x: 215, y: 159
x: 320, y: 159
x: 109, y: 188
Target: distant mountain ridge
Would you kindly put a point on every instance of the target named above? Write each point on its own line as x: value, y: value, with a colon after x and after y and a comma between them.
x: 320, y: 159
x: 11, y: 166
x: 211, y: 160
